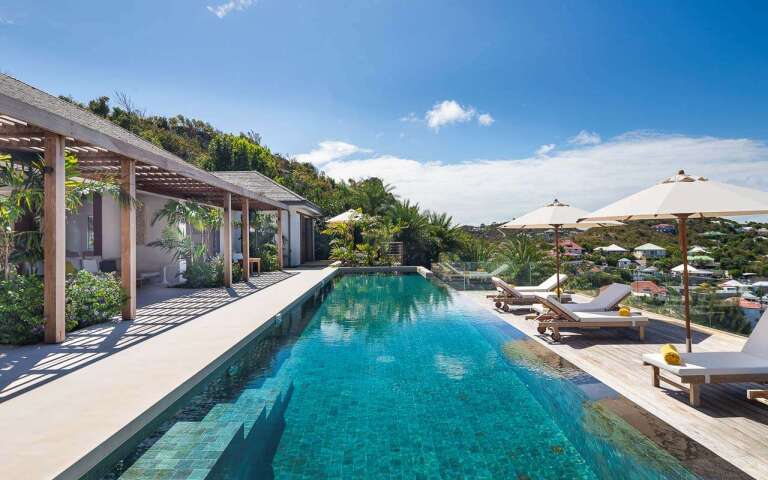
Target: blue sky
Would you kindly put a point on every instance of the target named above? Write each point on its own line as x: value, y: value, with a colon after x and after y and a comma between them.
x: 652, y: 86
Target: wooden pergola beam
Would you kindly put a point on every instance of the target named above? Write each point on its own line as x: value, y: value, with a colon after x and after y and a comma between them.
x: 128, y: 238
x: 279, y: 239
x: 246, y: 233
x: 54, y: 238
x: 227, y: 243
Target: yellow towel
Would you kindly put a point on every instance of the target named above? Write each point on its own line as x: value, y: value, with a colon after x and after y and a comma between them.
x: 670, y: 354
x: 624, y: 312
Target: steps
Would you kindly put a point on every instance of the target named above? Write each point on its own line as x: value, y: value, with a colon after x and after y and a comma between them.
x: 226, y: 444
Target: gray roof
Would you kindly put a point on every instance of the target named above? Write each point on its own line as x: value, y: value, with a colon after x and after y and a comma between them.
x: 253, y: 180
x: 27, y: 103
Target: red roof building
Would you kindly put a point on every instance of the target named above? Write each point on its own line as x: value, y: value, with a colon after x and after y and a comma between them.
x: 648, y: 289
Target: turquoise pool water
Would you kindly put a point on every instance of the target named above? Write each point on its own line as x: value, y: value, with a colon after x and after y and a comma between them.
x: 396, y: 377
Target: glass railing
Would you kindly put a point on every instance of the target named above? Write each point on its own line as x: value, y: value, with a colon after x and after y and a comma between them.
x: 735, y: 310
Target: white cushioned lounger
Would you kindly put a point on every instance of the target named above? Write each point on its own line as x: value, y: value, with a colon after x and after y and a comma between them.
x: 607, y: 300
x: 748, y: 365
x: 544, y: 286
x: 561, y: 316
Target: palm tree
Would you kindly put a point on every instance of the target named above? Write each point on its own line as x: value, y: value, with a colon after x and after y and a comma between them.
x: 414, y: 231
x: 192, y: 214
x: 523, y: 255
x: 445, y: 236
x: 372, y: 195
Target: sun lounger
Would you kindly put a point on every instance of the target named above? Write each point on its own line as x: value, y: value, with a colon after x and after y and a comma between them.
x: 698, y: 368
x: 508, y: 296
x: 562, y: 316
x: 607, y: 300
x: 545, y: 286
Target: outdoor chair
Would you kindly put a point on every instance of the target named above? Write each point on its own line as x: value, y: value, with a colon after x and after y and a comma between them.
x: 606, y: 301
x: 507, y: 296
x: 563, y: 316
x: 698, y: 368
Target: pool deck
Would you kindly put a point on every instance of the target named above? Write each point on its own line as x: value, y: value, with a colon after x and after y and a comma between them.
x: 66, y: 407
x: 734, y: 428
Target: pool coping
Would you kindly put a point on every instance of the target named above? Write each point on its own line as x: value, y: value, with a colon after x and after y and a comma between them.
x: 43, y: 438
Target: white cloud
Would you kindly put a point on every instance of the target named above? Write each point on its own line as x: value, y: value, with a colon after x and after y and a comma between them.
x: 410, y: 118
x: 587, y: 177
x: 224, y: 9
x: 448, y: 112
x: 485, y: 119
x: 585, y: 137
x: 329, y: 151
x: 545, y: 149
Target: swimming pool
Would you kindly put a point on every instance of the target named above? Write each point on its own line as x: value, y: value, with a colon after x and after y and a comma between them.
x: 394, y: 376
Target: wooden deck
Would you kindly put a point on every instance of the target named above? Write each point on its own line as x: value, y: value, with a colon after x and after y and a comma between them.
x: 726, y: 423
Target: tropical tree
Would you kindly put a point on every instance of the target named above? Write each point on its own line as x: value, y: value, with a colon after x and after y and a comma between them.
x: 372, y: 196
x: 178, y: 213
x: 444, y: 235
x: 524, y: 258
x: 23, y: 179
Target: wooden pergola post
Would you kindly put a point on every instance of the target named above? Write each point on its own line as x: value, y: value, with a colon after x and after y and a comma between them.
x: 128, y: 236
x: 280, y: 239
x: 54, y: 235
x: 227, y: 245
x: 246, y: 233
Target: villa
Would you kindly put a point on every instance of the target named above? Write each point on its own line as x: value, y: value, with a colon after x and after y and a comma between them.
x: 649, y: 250
x: 571, y: 248
x: 646, y: 288
x: 665, y: 228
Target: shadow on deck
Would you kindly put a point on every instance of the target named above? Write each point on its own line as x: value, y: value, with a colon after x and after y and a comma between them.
x: 160, y: 310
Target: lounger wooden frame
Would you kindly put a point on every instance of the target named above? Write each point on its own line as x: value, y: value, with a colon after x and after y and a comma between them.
x: 691, y: 384
x: 558, y: 318
x: 508, y: 297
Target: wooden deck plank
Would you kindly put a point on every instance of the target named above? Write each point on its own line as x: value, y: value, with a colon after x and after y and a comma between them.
x: 726, y: 423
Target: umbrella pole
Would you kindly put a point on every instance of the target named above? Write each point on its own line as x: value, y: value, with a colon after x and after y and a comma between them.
x: 557, y: 259
x: 683, y: 233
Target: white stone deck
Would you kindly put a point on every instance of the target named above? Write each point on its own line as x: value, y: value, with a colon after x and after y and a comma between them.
x: 66, y: 407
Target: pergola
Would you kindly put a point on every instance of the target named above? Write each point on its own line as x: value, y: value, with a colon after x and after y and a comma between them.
x: 35, y: 121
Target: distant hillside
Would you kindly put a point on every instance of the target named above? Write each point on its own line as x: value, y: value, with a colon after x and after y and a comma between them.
x: 201, y: 144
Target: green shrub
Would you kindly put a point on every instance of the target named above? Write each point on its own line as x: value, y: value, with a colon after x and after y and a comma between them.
x: 21, y: 310
x: 92, y: 298
x: 209, y: 273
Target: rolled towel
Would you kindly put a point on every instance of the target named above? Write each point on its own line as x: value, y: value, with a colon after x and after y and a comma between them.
x: 670, y: 354
x: 624, y: 312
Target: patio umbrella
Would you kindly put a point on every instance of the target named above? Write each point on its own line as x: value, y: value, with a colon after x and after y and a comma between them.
x: 350, y: 216
x: 680, y: 197
x: 556, y: 215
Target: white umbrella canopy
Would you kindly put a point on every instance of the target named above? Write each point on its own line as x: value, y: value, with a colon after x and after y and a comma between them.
x: 687, y: 195
x: 556, y: 215
x: 682, y: 196
x: 346, y: 217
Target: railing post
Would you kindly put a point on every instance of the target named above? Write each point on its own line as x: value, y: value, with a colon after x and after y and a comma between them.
x: 54, y: 235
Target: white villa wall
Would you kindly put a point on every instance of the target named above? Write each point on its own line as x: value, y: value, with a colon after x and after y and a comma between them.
x: 110, y: 228
x: 148, y: 259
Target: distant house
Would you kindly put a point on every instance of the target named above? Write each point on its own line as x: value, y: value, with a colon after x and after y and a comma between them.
x: 647, y: 288
x: 745, y: 229
x: 613, y: 248
x: 697, y: 250
x: 713, y: 234
x: 650, y: 250
x: 762, y: 231
x: 571, y: 248
x: 624, y: 263
x: 692, y: 271
x: 665, y: 228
